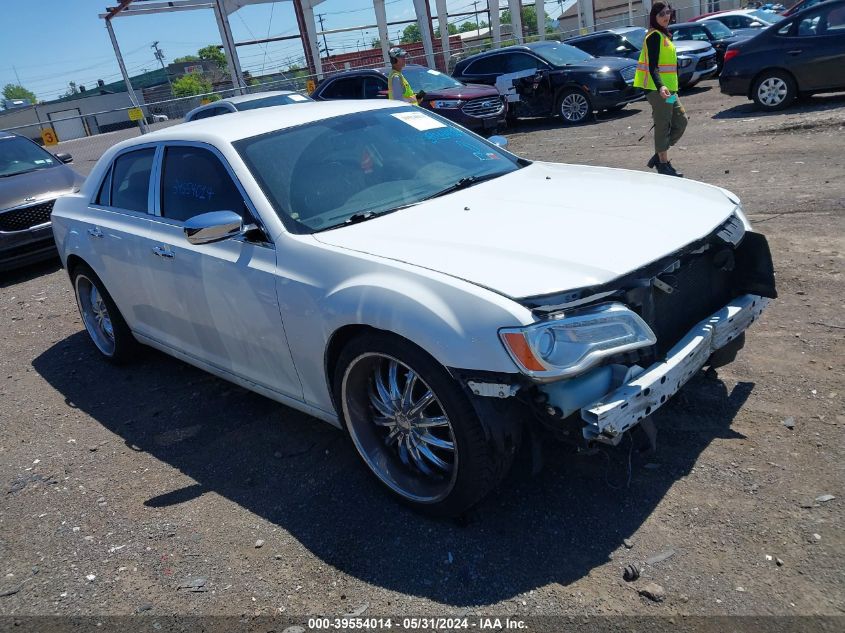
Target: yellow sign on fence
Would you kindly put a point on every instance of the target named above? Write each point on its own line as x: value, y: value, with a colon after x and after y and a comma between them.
x: 49, y: 136
x: 310, y: 85
x: 135, y: 114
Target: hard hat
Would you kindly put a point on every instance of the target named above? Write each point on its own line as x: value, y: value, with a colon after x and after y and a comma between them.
x: 396, y: 52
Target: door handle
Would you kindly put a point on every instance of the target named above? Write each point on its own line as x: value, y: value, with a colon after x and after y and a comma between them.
x: 95, y: 232
x: 163, y: 252
x: 795, y: 52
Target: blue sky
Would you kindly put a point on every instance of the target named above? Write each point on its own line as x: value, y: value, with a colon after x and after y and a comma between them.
x: 52, y: 42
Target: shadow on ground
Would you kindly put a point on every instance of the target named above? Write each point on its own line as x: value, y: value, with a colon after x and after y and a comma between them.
x: 303, y: 475
x: 16, y: 276
x: 520, y: 126
x: 816, y: 103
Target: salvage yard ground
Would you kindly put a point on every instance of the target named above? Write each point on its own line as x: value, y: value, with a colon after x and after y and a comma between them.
x: 157, y: 488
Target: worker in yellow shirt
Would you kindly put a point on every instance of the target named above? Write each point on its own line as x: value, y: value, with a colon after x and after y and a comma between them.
x: 397, y: 86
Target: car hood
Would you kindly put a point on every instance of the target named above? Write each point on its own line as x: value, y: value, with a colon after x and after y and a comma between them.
x: 43, y: 184
x: 692, y: 46
x: 469, y: 91
x: 544, y: 228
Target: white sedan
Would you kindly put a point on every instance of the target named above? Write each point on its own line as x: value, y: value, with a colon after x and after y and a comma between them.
x: 384, y: 270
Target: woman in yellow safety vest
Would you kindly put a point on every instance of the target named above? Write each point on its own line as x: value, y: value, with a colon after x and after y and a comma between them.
x: 657, y: 74
x: 397, y: 86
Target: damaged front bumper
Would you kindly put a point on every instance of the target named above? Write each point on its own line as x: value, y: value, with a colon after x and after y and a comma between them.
x: 613, y: 414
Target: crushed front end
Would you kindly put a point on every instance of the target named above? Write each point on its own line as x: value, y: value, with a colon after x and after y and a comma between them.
x: 600, y: 359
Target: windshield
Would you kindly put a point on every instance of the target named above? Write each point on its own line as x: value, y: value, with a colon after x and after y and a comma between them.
x: 266, y: 102
x: 636, y: 37
x: 559, y: 54
x: 335, y: 171
x: 428, y: 80
x: 717, y: 29
x: 19, y: 155
x: 766, y: 16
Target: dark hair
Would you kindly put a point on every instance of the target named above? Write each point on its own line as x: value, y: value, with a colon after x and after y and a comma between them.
x: 656, y: 8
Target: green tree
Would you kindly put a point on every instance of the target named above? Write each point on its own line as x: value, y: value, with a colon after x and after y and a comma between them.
x: 189, y: 85
x: 214, y: 54
x: 15, y: 91
x: 411, y: 34
x: 186, y: 58
x: 471, y: 26
x: 529, y: 20
x: 453, y: 30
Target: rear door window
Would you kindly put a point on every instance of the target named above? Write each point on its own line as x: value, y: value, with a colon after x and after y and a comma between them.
x: 130, y: 185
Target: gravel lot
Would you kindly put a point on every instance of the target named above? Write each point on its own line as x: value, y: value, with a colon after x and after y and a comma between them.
x: 150, y: 488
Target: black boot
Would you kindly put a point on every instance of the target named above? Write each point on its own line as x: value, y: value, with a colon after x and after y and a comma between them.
x: 667, y: 170
x: 652, y: 162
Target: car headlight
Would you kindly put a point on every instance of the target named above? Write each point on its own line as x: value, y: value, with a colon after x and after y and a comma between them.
x: 683, y: 62
x: 571, y: 344
x: 445, y: 104
x: 601, y: 73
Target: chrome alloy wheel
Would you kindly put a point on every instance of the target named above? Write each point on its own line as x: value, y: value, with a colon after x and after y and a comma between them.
x: 772, y: 91
x: 574, y: 107
x: 95, y: 314
x: 399, y: 427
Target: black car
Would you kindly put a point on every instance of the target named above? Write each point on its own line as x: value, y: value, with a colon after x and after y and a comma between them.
x: 696, y: 60
x: 477, y: 107
x: 717, y: 34
x: 803, y: 54
x: 31, y: 179
x: 551, y: 78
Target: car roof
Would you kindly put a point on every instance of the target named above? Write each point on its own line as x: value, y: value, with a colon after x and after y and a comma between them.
x: 253, y: 96
x: 4, y: 134
x: 249, y: 123
x: 381, y: 70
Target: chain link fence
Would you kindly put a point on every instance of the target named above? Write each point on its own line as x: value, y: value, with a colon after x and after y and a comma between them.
x: 87, y: 126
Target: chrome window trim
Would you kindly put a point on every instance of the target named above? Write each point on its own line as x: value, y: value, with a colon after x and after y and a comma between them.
x: 159, y: 171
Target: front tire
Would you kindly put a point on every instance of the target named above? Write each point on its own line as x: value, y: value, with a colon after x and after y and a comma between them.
x: 414, y: 427
x: 574, y: 106
x: 774, y: 90
x: 103, y: 321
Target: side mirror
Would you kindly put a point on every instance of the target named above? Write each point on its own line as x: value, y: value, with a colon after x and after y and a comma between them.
x: 65, y: 158
x: 755, y: 25
x: 499, y: 141
x: 216, y: 226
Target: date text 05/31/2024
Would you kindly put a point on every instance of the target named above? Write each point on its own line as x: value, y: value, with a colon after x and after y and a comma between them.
x: 418, y: 623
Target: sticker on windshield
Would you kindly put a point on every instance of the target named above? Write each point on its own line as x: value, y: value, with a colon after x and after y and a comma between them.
x: 418, y: 120
x: 296, y: 97
x: 434, y: 72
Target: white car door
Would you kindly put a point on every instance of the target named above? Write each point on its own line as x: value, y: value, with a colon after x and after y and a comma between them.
x: 115, y: 231
x: 215, y: 302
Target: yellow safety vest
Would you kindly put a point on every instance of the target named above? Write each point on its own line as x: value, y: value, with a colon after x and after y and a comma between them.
x: 667, y: 65
x: 406, y: 87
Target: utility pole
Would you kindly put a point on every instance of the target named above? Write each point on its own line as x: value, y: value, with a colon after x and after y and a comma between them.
x: 325, y: 44
x: 159, y: 55
x: 475, y: 8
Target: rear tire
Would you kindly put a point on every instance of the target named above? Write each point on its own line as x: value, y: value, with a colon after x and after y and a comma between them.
x: 414, y: 427
x: 774, y: 90
x: 101, y: 318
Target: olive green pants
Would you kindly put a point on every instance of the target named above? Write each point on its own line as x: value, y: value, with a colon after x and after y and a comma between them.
x: 670, y: 121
